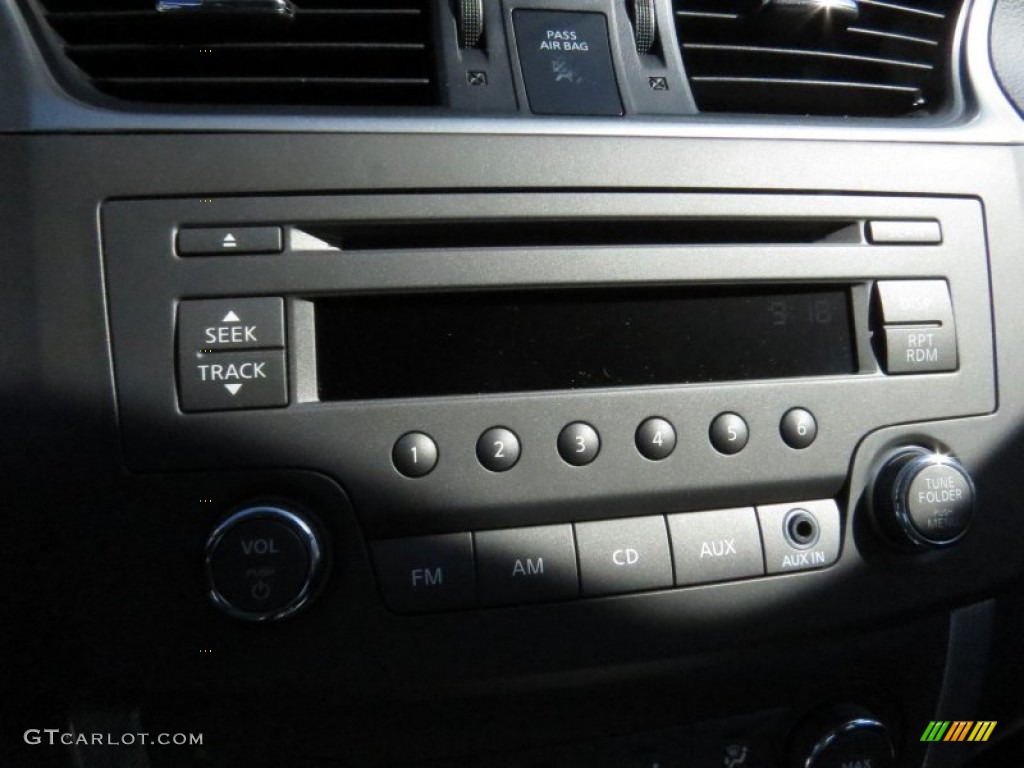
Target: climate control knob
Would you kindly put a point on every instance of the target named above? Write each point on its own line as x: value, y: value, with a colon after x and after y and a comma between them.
x: 264, y: 562
x: 922, y: 498
x: 842, y: 736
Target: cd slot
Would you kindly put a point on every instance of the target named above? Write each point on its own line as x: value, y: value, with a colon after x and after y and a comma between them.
x: 580, y: 232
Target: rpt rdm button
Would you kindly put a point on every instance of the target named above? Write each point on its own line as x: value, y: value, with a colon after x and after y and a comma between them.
x: 226, y: 324
x: 716, y: 546
x: 920, y: 350
x: 426, y: 573
x: 624, y: 555
x: 232, y: 380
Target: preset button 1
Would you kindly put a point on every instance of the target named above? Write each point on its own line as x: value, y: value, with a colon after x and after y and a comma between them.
x: 414, y: 454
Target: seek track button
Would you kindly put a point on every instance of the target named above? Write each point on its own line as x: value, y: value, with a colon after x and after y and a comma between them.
x: 226, y: 324
x: 233, y: 380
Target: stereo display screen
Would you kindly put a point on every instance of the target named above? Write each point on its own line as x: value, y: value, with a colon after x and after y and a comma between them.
x: 431, y: 344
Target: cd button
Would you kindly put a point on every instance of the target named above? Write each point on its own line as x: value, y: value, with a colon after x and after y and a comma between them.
x: 624, y: 555
x: 578, y: 444
x: 526, y: 565
x: 729, y: 433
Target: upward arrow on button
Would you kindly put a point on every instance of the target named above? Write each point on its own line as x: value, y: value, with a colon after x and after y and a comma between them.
x: 231, y: 317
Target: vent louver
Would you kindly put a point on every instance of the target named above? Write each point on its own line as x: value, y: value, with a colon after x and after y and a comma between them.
x: 325, y: 52
x: 818, y: 57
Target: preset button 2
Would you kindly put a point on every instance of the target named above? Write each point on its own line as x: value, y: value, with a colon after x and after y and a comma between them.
x: 498, y: 449
x: 415, y: 454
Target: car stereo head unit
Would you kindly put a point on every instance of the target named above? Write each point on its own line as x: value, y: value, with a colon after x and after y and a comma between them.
x: 596, y: 357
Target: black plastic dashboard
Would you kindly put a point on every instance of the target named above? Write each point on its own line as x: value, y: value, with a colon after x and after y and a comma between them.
x: 313, y: 338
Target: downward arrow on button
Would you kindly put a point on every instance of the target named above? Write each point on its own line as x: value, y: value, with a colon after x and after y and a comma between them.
x: 233, y: 388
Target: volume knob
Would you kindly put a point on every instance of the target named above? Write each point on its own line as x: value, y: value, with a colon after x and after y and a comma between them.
x: 264, y: 562
x: 922, y: 498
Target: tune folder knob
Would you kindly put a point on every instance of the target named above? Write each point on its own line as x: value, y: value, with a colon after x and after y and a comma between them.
x: 923, y: 498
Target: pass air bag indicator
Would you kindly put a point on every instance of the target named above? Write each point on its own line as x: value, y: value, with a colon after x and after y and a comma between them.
x: 566, y: 63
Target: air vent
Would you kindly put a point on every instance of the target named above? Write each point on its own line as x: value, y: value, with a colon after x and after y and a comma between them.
x: 302, y: 52
x: 818, y: 57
